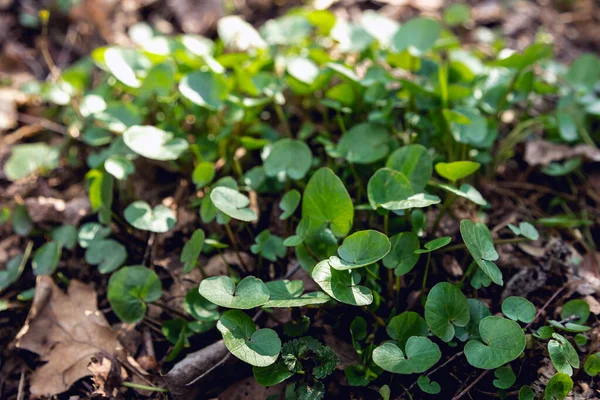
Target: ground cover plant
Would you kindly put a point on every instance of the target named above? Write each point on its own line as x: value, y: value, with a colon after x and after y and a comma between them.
x: 350, y: 178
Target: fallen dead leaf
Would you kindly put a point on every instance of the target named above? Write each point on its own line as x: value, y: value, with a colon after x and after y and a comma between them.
x: 47, y: 209
x: 107, y: 374
x: 593, y: 303
x: 66, y: 330
x: 541, y: 152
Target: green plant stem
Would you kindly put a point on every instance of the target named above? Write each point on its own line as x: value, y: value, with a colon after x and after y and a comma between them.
x: 496, y: 243
x: 283, y: 119
x: 386, y: 222
x: 358, y: 181
x: 397, y: 287
x: 447, y: 203
x: 424, y: 285
x: 378, y: 319
x: 468, y: 272
x: 340, y: 121
x: 144, y: 387
x: 504, y: 98
x: 235, y: 246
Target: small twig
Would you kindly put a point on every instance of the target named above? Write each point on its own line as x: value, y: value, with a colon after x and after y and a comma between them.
x: 21, y: 391
x: 211, y: 369
x: 148, y: 344
x: 235, y: 247
x: 541, y: 310
x: 45, y: 123
x: 461, y: 394
x: 148, y: 251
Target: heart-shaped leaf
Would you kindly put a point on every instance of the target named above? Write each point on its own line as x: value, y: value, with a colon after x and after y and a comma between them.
x: 205, y: 89
x: 269, y: 246
x: 526, y: 393
x: 505, y: 377
x: 434, y: 245
x: 402, y: 257
x: 289, y: 202
x: 417, y: 36
x: 419, y: 200
x: 288, y: 158
x: 465, y: 191
x: 154, y: 143
x: 200, y: 308
x: 250, y: 292
x: 558, y: 387
x: 518, y: 309
x: 256, y: 347
x: 579, y: 308
x: 406, y: 325
x: 478, y: 311
x: 272, y: 374
x: 285, y: 293
x: 340, y: 285
x: 456, y: 170
x: 414, y: 162
x: 107, y: 254
x: 563, y: 355
x: 446, y: 307
x: 503, y: 341
x: 360, y: 249
x: 191, y: 251
x: 129, y: 289
x: 387, y: 185
x: 326, y: 201
x: 141, y: 216
x: 525, y: 229
x: 66, y: 235
x: 91, y: 231
x: 428, y: 386
x: 421, y: 354
x: 232, y: 203
x: 203, y: 174
x: 364, y: 143
x: 592, y: 364
x: 478, y: 239
x: 127, y: 65
x: 26, y: 159
x: 46, y: 258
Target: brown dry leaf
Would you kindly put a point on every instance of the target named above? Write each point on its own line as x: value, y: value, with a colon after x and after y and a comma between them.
x: 107, y: 374
x: 48, y: 209
x: 540, y: 152
x: 196, y: 16
x: 66, y: 330
x: 593, y: 303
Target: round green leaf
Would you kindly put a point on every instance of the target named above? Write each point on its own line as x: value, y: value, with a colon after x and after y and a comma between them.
x: 579, y: 308
x: 154, y: 143
x: 303, y: 69
x: 129, y: 289
x: 387, y: 185
x: 141, y: 216
x: 288, y: 158
x: 250, y: 292
x: 269, y: 246
x: 46, y: 258
x: 417, y: 36
x: 12, y: 272
x: 406, y: 325
x: 191, y: 250
x: 457, y: 14
x: 126, y: 65
x: 107, y: 254
x: 525, y: 229
x: 286, y: 293
x: 200, y: 308
x: 232, y: 203
x: 289, y: 202
x: 360, y: 249
x: 421, y: 354
x: 434, y: 245
x: 272, y: 374
x: 364, y: 143
x: 66, y: 235
x: 505, y: 377
x: 526, y: 393
x: 428, y: 386
x: 402, y: 257
x: 474, y: 133
x: 558, y: 387
x: 503, y: 341
x: 478, y: 311
x: 592, y: 364
x: 562, y: 354
x: 414, y: 162
x: 456, y: 170
x: 445, y: 308
x: 478, y: 239
x: 518, y: 309
x: 326, y: 201
x: 203, y: 174
x: 340, y: 285
x: 25, y: 159
x: 91, y: 231
x: 119, y: 166
x: 205, y: 89
x: 466, y: 191
x: 259, y: 348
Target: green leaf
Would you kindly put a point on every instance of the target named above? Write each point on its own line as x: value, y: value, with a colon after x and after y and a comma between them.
x: 592, y: 364
x: 154, y: 143
x: 428, y: 386
x: 360, y: 249
x: 358, y: 328
x: 286, y: 293
x: 288, y: 204
x: 421, y: 354
x: 419, y: 200
x: 191, y: 251
x: 205, y: 89
x: 269, y: 246
x: 288, y: 158
x: 417, y: 36
x: 545, y: 332
x: 456, y: 170
x: 475, y: 133
x: 558, y: 387
x: 107, y: 254
x: 579, y: 308
x: 340, y: 285
x: 466, y: 191
x: 505, y: 377
x: 326, y: 201
x: 101, y: 194
x: 237, y: 34
x: 259, y: 348
x: 503, y: 341
x: 90, y: 232
x: 272, y: 374
x: 232, y: 203
x: 14, y: 269
x: 406, y: 325
x: 119, y: 166
x: 584, y: 72
x: 364, y: 143
x: 580, y: 340
x: 303, y: 69
x: 129, y: 289
x: 141, y: 216
x: 446, y: 307
x: 286, y: 30
x: 384, y: 391
x: 21, y: 221
x: 296, y: 328
x: 526, y: 393
x: 203, y: 174
x: 126, y: 65
x: 518, y: 309
x: 563, y: 355
x: 478, y: 239
x: 387, y: 185
x: 562, y: 169
x: 434, y: 245
x: 457, y: 14
x: 402, y: 257
x: 46, y: 258
x: 477, y: 312
x: 66, y: 235
x: 525, y: 229
x: 414, y: 162
x: 200, y: 308
x: 250, y: 292
x: 25, y: 159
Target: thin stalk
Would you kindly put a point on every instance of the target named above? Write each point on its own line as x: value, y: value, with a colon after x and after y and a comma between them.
x: 340, y: 121
x: 358, y: 181
x: 386, y: 223
x: 468, y: 272
x: 496, y: 243
x: 504, y: 98
x: 378, y: 319
x: 283, y: 119
x: 144, y: 387
x: 426, y: 272
x: 235, y: 246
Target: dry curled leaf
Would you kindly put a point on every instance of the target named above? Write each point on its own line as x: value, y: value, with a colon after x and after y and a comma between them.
x: 66, y: 330
x: 107, y: 374
x: 540, y: 152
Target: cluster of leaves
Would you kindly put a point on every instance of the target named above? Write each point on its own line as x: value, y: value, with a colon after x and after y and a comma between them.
x: 255, y: 114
